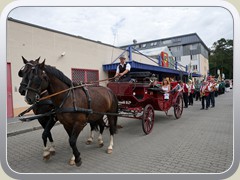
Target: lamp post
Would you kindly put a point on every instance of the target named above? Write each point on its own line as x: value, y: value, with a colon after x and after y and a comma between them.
x: 190, y: 68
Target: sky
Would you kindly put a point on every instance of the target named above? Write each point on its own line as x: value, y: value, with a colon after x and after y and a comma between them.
x: 119, y: 26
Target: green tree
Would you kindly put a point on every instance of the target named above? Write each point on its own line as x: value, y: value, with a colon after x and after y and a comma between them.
x: 221, y: 57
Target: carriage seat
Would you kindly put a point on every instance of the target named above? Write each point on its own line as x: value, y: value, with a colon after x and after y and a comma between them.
x: 156, y: 89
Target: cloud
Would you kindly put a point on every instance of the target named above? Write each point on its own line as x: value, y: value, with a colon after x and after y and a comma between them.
x: 127, y: 23
x: 117, y: 26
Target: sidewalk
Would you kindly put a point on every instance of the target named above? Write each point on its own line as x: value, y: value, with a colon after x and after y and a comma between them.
x: 15, y: 126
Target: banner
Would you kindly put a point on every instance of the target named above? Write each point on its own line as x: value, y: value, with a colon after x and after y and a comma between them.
x: 164, y: 57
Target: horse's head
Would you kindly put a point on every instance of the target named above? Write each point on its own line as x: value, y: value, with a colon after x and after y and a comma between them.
x: 24, y: 71
x: 38, y: 82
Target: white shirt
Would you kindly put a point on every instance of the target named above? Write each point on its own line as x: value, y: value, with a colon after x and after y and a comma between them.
x: 128, y: 67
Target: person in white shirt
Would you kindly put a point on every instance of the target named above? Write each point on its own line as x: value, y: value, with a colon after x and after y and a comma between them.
x: 191, y: 92
x: 123, y: 70
x: 185, y: 89
x: 166, y: 88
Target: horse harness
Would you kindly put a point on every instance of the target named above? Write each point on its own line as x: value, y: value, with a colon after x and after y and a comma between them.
x: 75, y: 109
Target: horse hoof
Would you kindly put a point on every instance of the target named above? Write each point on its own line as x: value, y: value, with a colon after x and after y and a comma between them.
x: 78, y: 163
x: 47, y: 157
x: 88, y: 142
x: 119, y: 126
x: 100, y: 145
x: 109, y: 151
x: 71, y: 162
x: 52, y: 153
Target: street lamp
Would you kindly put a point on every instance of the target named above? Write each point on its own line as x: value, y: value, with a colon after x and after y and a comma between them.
x: 190, y: 68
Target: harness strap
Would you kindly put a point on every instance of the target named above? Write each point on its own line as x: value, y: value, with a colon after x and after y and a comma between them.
x: 74, y: 110
x: 27, y: 110
x: 85, y: 90
x: 75, y: 87
x: 65, y: 98
x: 74, y: 99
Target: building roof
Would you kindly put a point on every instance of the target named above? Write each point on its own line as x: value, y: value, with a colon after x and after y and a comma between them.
x: 56, y: 31
x: 178, y: 40
x: 137, y: 66
x: 156, y: 51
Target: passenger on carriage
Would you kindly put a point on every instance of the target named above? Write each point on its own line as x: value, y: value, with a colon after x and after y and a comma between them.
x: 123, y: 70
x: 166, y: 88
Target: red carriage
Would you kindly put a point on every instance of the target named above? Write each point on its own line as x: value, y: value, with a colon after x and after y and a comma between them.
x: 140, y: 99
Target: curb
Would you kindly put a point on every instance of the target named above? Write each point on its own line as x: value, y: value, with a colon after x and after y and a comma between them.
x: 17, y: 132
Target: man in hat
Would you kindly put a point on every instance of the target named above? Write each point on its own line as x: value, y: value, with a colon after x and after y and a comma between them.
x: 185, y: 89
x: 212, y: 85
x: 123, y: 69
x: 205, y: 91
x: 191, y: 91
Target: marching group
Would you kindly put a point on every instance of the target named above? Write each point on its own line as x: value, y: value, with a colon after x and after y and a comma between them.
x: 205, y: 91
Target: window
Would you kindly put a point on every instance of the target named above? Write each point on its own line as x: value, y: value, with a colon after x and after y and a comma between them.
x: 176, y: 40
x: 195, y: 57
x: 178, y: 59
x: 137, y: 46
x: 193, y: 46
x: 194, y: 67
x: 153, y: 44
x: 84, y: 75
x: 144, y: 45
x: 167, y: 41
x: 176, y: 48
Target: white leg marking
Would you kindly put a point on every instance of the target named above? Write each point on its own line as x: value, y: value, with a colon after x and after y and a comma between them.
x: 90, y: 139
x: 46, y: 153
x: 100, y: 140
x: 72, y: 160
x: 110, y: 147
x: 52, y: 148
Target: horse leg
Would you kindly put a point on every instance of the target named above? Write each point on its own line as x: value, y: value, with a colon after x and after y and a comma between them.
x: 72, y: 159
x: 90, y: 139
x: 46, y: 153
x: 112, y: 130
x: 100, y: 140
x: 48, y: 128
x: 77, y: 128
x: 48, y: 150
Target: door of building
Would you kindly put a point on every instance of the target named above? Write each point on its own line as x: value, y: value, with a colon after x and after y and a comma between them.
x: 9, y: 92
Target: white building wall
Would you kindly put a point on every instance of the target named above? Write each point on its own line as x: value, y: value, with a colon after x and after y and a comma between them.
x: 32, y: 42
x: 201, y: 62
x: 204, y: 66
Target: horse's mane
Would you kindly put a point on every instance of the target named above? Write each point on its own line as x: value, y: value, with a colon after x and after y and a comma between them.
x: 58, y: 74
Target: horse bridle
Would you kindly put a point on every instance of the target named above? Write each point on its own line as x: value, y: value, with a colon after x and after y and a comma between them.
x: 36, y: 90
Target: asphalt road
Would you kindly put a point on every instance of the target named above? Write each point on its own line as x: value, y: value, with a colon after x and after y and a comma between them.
x: 201, y: 141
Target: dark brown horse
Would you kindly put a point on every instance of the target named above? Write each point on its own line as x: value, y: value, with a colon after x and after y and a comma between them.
x: 45, y: 106
x: 74, y: 107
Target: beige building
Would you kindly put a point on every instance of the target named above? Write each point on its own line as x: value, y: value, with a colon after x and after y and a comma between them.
x: 73, y: 55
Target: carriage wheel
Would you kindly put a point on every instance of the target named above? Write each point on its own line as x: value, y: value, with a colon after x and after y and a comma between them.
x: 178, y: 107
x: 148, y: 119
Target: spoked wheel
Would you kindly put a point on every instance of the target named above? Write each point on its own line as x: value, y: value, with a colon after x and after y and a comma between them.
x: 148, y: 119
x: 178, y: 107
